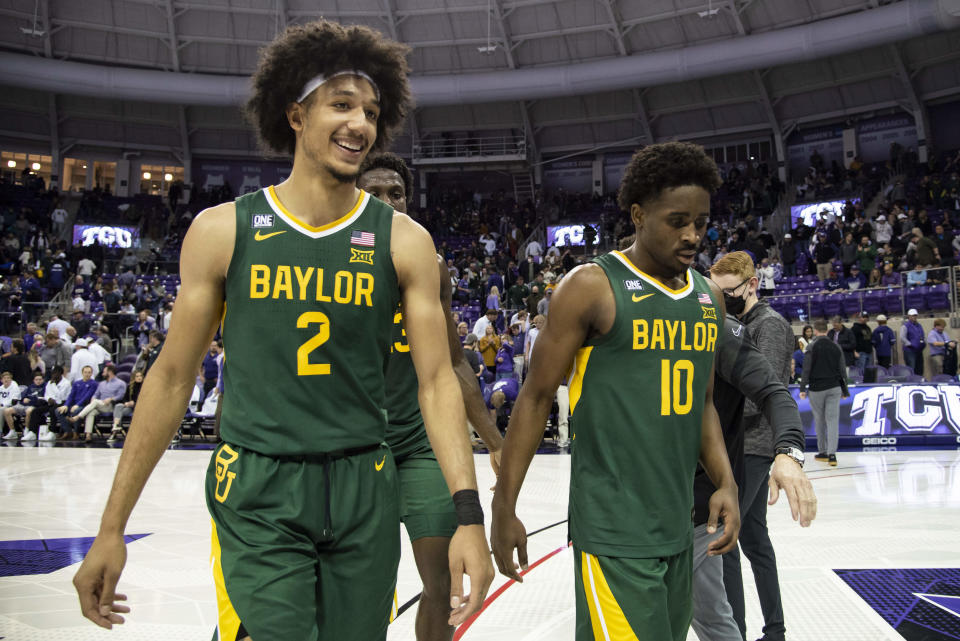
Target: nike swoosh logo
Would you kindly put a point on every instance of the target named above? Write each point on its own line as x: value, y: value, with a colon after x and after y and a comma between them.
x: 261, y: 236
x: 637, y: 299
x: 379, y: 466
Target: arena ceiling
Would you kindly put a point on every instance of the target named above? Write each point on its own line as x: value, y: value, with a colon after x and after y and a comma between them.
x: 467, y: 36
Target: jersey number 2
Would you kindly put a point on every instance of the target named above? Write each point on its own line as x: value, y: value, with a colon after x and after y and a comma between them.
x: 672, y: 387
x: 304, y: 366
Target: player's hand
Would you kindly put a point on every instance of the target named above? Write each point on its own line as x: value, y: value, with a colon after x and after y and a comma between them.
x: 506, y: 534
x: 723, y: 504
x: 97, y: 578
x: 470, y: 555
x: 787, y: 475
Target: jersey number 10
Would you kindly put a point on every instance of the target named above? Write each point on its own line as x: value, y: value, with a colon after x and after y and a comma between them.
x: 672, y: 387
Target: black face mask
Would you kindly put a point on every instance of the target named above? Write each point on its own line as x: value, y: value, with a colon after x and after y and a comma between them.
x: 735, y: 304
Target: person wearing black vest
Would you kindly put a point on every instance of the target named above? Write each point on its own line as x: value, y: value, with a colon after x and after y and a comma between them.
x: 825, y: 374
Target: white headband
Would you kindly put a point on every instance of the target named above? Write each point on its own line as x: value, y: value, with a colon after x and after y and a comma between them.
x: 318, y: 80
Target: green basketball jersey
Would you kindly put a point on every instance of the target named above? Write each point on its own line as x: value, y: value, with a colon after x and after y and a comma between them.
x: 308, y: 317
x: 404, y: 422
x: 637, y: 396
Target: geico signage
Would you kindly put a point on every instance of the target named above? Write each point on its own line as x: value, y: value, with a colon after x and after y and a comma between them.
x: 914, y: 408
x: 110, y: 236
x: 879, y: 440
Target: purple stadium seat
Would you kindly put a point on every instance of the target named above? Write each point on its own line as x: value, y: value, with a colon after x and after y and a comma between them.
x: 892, y: 301
x: 916, y: 298
x: 899, y: 371
x: 852, y: 303
x: 938, y: 297
x: 832, y: 304
x: 873, y: 301
x: 124, y: 376
x: 943, y: 378
x: 816, y: 305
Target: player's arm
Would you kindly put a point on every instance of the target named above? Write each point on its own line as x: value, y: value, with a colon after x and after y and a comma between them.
x: 473, y: 403
x: 572, y: 316
x: 724, y: 503
x: 166, y: 390
x: 441, y: 405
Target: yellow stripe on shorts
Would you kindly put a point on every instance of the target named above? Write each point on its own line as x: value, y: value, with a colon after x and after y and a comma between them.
x: 228, y: 621
x: 395, y: 607
x: 607, y: 618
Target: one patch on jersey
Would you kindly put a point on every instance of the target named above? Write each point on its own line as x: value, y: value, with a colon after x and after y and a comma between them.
x: 364, y: 256
x: 709, y: 312
x: 363, y: 238
x: 704, y: 299
x: 261, y: 221
x: 633, y: 285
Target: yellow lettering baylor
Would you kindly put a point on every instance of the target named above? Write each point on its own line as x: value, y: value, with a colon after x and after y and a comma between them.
x: 285, y: 282
x: 662, y: 334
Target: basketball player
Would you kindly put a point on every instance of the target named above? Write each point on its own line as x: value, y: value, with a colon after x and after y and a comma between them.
x: 306, y: 275
x: 640, y: 328
x: 425, y: 506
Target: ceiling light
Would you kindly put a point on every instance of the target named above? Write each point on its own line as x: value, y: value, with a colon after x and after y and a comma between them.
x: 35, y: 166
x: 487, y: 49
x: 83, y: 166
x: 32, y: 32
x: 146, y: 175
x: 708, y: 13
x: 11, y: 164
x: 168, y: 177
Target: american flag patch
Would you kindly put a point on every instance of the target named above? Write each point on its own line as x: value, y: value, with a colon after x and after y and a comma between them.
x: 364, y: 238
x: 704, y: 299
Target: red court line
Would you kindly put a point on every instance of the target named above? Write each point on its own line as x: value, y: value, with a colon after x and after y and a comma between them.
x: 503, y: 588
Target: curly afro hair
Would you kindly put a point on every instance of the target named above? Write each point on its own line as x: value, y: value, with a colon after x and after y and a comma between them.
x: 387, y: 160
x: 664, y: 166
x: 304, y: 51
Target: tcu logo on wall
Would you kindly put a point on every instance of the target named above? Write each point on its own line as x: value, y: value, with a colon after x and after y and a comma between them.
x: 913, y: 408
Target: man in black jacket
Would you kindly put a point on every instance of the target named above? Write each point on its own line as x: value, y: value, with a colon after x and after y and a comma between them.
x: 845, y: 338
x: 742, y: 370
x: 864, y: 342
x: 736, y: 276
x: 825, y: 374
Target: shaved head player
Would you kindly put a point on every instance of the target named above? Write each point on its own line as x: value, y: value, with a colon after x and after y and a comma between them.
x: 425, y: 505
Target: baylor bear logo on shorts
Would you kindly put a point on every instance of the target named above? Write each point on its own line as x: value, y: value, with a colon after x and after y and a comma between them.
x: 225, y: 457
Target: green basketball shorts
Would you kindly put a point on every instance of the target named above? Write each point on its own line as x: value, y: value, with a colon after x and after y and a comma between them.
x: 304, y: 548
x: 621, y: 599
x: 426, y: 508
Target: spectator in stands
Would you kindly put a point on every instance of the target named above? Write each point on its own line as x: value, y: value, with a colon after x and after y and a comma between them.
x: 883, y: 340
x: 18, y: 363
x: 473, y: 358
x: 142, y: 328
x: 164, y: 321
x: 535, y: 326
x: 55, y: 353
x: 912, y: 340
x: 833, y: 282
x: 110, y: 391
x: 875, y: 279
x: 866, y: 255
x: 788, y: 255
x: 766, y: 273
x: 489, y: 318
x: 543, y: 306
x: 534, y: 251
x: 504, y: 360
x: 498, y: 394
x: 82, y: 357
x: 517, y: 340
x: 30, y: 396
x: 939, y: 342
x: 209, y: 368
x: 826, y: 377
x: 916, y: 277
x: 796, y: 363
x: 125, y: 407
x: 59, y: 218
x: 85, y: 268
x: 81, y: 392
x: 806, y: 337
x: 148, y: 355
x: 103, y: 338
x: 890, y: 278
x: 462, y: 331
x: 926, y: 250
x: 864, y: 341
x: 823, y: 255
x: 843, y: 336
x: 848, y: 253
x: 534, y: 298
x: 80, y: 323
x: 488, y: 346
x: 517, y: 294
x: 856, y: 279
x: 944, y: 242
x: 9, y: 395
x: 493, y: 299
x: 55, y: 394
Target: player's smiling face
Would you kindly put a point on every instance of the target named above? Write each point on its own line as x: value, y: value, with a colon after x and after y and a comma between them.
x: 387, y: 185
x: 672, y: 225
x: 340, y: 125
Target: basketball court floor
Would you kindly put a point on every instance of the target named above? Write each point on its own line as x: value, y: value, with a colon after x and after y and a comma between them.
x: 881, y: 562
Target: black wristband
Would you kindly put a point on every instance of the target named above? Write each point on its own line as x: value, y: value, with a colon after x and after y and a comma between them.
x: 467, y: 505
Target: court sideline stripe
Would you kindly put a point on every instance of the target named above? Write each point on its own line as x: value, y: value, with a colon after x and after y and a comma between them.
x: 406, y: 606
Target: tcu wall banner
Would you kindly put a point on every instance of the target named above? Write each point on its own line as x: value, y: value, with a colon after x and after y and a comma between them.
x: 884, y: 415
